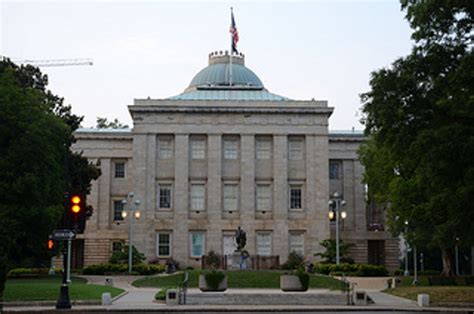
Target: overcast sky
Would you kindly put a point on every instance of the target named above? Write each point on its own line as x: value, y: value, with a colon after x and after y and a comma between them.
x: 300, y: 49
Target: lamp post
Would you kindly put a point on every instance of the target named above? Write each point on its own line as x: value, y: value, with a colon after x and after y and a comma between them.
x: 406, y: 273
x: 415, y: 266
x: 133, y: 213
x: 456, y: 251
x: 335, y: 206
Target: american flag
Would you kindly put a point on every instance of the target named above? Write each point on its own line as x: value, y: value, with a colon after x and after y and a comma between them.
x: 234, y: 32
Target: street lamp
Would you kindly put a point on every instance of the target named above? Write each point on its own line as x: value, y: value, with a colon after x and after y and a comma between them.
x: 456, y: 250
x: 133, y: 213
x: 406, y: 273
x: 335, y: 206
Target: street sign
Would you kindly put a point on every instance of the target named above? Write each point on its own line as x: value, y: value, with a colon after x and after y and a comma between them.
x: 63, y: 234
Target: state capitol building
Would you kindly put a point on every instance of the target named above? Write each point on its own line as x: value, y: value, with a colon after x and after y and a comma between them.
x: 225, y: 153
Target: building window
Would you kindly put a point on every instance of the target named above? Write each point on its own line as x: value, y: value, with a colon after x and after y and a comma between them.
x: 165, y: 195
x: 165, y: 148
x: 296, y: 197
x: 297, y: 242
x: 118, y: 208
x: 295, y: 148
x: 163, y: 240
x: 198, y: 148
x: 197, y: 244
x: 334, y: 170
x: 231, y: 193
x: 231, y: 148
x: 263, y: 148
x: 264, y: 243
x: 263, y: 197
x: 120, y: 170
x: 117, y: 246
x: 197, y: 196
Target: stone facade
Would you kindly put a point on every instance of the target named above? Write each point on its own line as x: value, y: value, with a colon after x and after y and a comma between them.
x: 203, y: 167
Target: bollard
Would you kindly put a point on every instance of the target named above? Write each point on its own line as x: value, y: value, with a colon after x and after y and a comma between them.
x: 106, y: 298
x: 423, y: 300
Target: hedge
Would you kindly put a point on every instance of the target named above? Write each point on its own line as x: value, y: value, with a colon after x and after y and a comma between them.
x: 108, y: 269
x: 361, y: 270
x: 30, y: 272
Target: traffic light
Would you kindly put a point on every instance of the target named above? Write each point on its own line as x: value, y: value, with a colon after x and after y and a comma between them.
x: 76, y: 212
x: 50, y: 244
x: 75, y: 206
x: 332, y: 210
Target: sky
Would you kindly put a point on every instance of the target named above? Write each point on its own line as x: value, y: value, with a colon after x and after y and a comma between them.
x: 324, y: 50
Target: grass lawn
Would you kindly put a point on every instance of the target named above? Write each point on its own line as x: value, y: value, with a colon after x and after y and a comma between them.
x: 438, y: 294
x: 47, y: 288
x: 238, y: 279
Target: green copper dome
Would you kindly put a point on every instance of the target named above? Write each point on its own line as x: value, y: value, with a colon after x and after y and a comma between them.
x: 215, y: 81
x: 218, y: 72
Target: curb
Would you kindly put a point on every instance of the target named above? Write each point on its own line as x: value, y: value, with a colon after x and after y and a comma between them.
x: 49, y: 303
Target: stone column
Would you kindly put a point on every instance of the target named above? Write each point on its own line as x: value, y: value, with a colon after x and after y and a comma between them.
x: 247, y: 177
x: 180, y: 233
x: 149, y: 206
x: 247, y: 189
x: 104, y: 208
x: 280, y: 173
x: 140, y: 151
x: 359, y: 198
x: 149, y: 202
x: 348, y: 193
x: 214, y: 198
x: 321, y: 197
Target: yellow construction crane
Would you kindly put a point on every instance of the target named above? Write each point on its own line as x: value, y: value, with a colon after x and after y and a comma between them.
x: 54, y: 62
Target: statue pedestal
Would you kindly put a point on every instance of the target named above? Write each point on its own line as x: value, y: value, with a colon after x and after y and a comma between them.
x: 238, y: 262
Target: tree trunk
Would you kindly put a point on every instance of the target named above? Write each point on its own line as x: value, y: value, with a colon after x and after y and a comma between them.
x: 447, y: 262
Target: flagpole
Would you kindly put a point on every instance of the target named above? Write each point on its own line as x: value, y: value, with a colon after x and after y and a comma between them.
x: 230, y: 56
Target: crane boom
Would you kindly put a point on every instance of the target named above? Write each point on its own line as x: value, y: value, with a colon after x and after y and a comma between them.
x: 56, y: 62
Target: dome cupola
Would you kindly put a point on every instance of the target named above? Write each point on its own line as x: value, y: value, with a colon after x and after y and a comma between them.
x: 222, y: 74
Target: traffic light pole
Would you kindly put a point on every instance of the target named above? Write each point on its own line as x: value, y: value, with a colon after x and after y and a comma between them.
x: 69, y: 254
x: 64, y: 302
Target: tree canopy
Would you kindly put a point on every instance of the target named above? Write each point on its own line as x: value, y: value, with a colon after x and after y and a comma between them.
x: 103, y: 123
x: 419, y: 121
x: 36, y: 132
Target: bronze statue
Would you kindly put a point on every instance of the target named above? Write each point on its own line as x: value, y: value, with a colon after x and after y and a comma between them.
x: 240, y: 238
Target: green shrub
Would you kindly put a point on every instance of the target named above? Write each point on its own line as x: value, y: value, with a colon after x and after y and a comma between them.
x: 441, y: 281
x: 429, y: 272
x: 121, y: 257
x: 213, y: 260
x: 105, y: 269
x: 295, y: 261
x: 304, y: 279
x: 214, y: 278
x: 362, y: 270
x: 148, y: 269
x: 469, y: 280
x: 30, y: 272
x: 161, y: 295
x: 366, y: 270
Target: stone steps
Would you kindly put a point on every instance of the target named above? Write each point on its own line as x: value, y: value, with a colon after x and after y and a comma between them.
x: 282, y: 298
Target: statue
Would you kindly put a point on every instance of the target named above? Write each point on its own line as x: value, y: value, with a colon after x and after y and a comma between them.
x: 240, y: 238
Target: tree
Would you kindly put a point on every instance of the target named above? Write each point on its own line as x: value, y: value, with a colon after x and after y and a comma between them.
x: 103, y: 123
x: 419, y: 122
x: 329, y: 256
x: 35, y: 137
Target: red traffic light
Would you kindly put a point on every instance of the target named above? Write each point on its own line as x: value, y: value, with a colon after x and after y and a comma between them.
x: 50, y: 244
